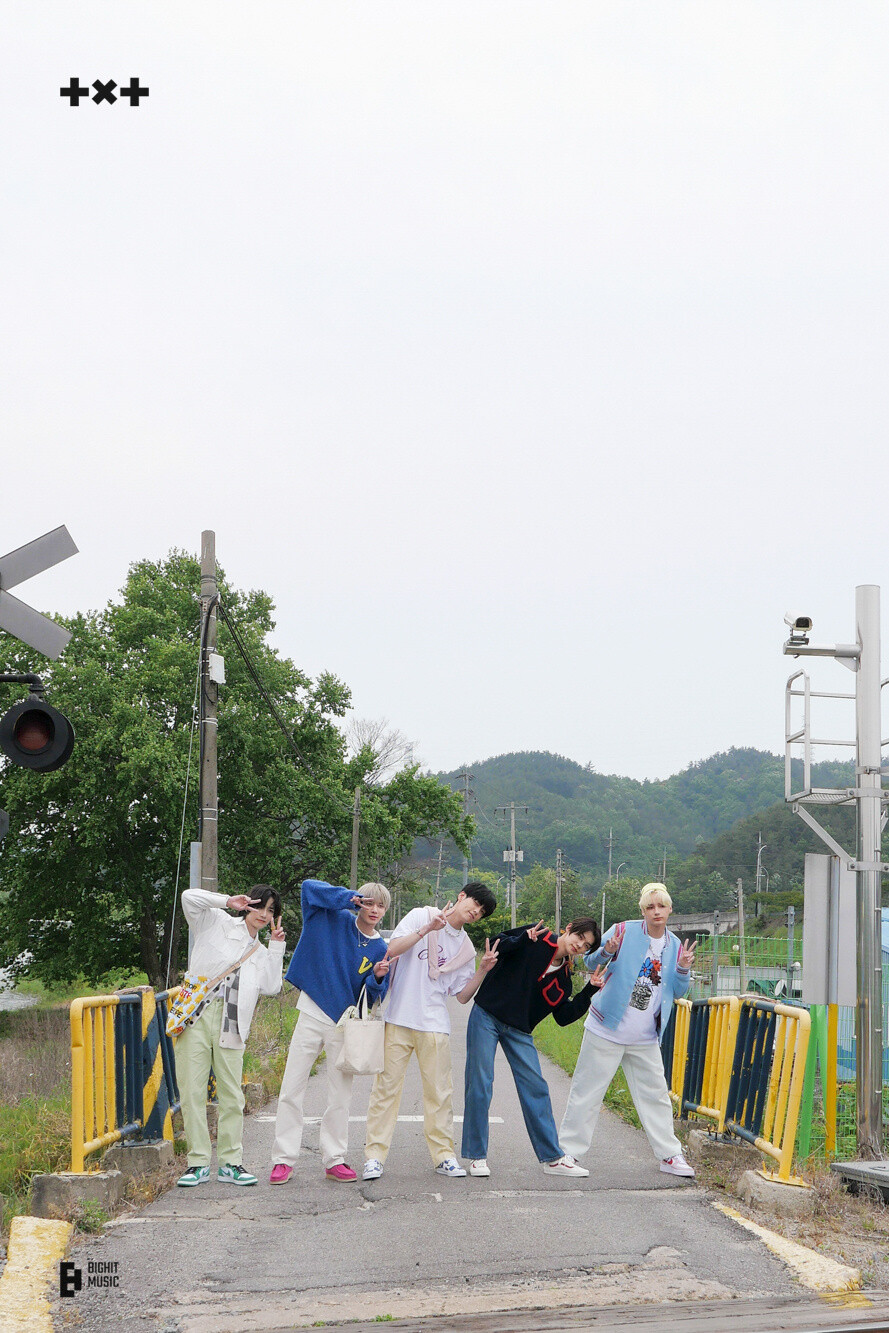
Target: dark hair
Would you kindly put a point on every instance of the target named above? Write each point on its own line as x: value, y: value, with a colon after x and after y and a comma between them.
x: 484, y: 896
x: 586, y: 925
x: 265, y: 893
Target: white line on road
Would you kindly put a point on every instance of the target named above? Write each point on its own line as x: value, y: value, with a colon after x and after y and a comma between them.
x: 362, y: 1119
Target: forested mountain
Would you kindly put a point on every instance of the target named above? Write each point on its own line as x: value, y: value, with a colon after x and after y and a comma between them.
x: 706, y: 819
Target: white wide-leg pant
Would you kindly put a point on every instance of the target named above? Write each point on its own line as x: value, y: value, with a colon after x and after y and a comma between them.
x: 596, y: 1066
x: 310, y: 1037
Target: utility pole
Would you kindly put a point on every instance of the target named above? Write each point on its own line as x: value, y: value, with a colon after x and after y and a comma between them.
x: 742, y: 942
x: 869, y: 780
x: 610, y: 850
x: 356, y: 823
x: 558, y: 889
x: 512, y: 855
x: 762, y: 847
x: 868, y: 795
x: 465, y: 778
x: 438, y: 875
x: 209, y: 803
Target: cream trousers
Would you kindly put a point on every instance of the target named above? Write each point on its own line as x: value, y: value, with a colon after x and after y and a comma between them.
x: 310, y: 1037
x: 433, y: 1052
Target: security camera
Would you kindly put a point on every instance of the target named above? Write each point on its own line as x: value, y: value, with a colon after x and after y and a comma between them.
x: 798, y: 624
x: 800, y: 627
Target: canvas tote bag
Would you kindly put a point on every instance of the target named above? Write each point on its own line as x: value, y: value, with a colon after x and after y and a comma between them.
x: 364, y: 1036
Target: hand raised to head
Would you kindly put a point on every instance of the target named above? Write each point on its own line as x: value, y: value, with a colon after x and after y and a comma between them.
x: 439, y: 919
x: 240, y: 902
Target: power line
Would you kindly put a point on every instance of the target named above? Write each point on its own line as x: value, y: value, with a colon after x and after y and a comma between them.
x: 275, y: 712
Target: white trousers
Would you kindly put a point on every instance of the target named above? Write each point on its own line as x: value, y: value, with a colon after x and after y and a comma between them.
x: 596, y: 1066
x: 310, y: 1037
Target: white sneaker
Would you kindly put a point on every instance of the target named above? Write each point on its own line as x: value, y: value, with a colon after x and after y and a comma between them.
x: 677, y: 1166
x: 479, y: 1168
x: 372, y: 1169
x: 450, y: 1167
x: 565, y: 1166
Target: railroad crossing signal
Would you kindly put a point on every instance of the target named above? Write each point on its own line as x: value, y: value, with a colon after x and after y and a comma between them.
x: 19, y: 619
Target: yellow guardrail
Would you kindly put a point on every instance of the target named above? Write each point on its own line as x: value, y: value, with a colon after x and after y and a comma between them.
x: 123, y: 1070
x: 677, y: 1058
x: 767, y: 1080
x: 93, y: 1099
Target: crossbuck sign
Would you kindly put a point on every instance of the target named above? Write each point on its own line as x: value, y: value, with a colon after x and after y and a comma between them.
x: 19, y: 619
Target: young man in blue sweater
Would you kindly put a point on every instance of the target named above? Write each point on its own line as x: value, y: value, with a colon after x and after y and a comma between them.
x: 338, y: 953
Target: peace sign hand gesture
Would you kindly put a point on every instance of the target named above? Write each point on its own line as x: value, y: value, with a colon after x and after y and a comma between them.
x: 687, y: 954
x: 277, y: 933
x: 490, y: 957
x: 382, y: 967
x: 534, y: 932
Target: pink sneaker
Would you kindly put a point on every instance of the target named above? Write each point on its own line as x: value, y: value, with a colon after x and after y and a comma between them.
x: 340, y: 1172
x: 280, y: 1174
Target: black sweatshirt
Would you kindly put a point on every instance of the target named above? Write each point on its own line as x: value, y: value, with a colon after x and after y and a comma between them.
x: 518, y: 990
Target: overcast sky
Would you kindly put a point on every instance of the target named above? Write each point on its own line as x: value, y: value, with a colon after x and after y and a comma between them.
x: 531, y: 355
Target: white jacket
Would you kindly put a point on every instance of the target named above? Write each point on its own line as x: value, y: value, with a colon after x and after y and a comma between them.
x: 219, y: 940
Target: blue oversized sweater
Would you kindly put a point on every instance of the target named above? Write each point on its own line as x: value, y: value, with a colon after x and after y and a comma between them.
x: 333, y: 959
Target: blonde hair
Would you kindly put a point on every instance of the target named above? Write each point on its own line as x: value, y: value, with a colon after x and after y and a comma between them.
x: 378, y: 892
x: 652, y: 891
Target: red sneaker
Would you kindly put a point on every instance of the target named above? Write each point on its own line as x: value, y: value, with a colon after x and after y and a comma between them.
x: 340, y: 1172
x: 280, y: 1174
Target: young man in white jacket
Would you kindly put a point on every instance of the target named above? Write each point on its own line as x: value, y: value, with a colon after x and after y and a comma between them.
x: 218, y: 1036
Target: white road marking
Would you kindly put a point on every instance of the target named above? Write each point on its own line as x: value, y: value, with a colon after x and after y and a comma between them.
x: 362, y: 1119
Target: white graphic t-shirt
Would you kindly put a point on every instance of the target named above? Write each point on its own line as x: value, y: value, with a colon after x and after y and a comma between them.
x: 415, y: 999
x: 639, y: 1024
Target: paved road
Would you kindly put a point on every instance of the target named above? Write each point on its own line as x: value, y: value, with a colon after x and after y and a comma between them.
x: 218, y: 1258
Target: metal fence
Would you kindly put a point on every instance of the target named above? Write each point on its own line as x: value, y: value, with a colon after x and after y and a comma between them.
x: 774, y: 968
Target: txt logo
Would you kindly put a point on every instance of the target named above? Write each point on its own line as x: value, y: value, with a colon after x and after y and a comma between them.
x: 70, y: 1278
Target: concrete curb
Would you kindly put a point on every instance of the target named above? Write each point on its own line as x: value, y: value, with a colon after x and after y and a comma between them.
x: 814, y: 1270
x: 35, y: 1248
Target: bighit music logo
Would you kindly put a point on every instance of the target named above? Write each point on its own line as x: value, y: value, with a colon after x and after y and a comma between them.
x: 98, y: 1274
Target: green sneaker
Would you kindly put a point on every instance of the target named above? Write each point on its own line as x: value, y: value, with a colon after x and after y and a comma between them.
x: 195, y: 1175
x: 236, y: 1175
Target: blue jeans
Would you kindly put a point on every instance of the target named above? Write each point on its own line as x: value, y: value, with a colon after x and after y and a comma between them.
x: 482, y: 1035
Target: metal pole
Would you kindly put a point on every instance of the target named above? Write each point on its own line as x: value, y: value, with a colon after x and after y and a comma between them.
x: 209, y: 726
x: 791, y: 920
x: 558, y: 889
x: 356, y: 821
x: 512, y: 864
x: 869, y: 1010
x: 467, y: 778
x: 714, y: 987
x: 438, y: 874
x: 602, y: 927
x: 742, y: 943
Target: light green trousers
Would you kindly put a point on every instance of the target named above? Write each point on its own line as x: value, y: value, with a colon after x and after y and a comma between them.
x: 196, y: 1050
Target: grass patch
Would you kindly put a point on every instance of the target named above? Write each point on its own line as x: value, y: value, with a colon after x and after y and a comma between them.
x: 35, y: 1137
x: 62, y: 993
x: 269, y: 1040
x: 562, y: 1046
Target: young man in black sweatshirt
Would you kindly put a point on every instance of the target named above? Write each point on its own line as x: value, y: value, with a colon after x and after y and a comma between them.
x: 532, y: 978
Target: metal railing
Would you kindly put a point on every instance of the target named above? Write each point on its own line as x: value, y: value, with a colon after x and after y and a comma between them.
x: 123, y: 1071
x: 674, y: 1050
x: 713, y: 1027
x: 767, y: 1079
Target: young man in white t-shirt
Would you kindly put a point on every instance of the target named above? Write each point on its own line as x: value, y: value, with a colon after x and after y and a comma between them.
x: 436, y: 958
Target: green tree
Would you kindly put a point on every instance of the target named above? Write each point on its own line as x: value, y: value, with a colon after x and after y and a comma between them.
x: 89, y: 866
